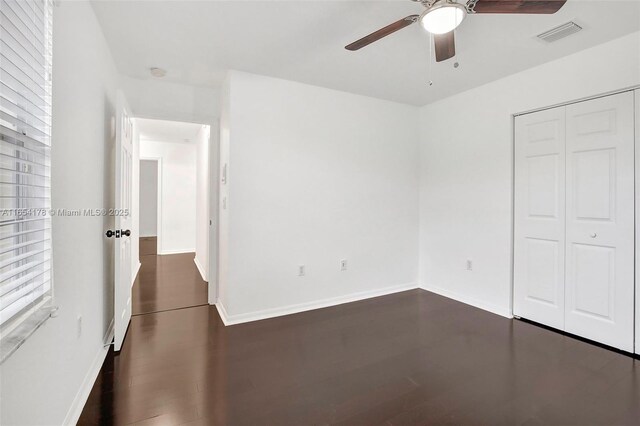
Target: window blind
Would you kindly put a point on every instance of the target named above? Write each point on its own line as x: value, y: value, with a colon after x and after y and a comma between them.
x: 25, y: 161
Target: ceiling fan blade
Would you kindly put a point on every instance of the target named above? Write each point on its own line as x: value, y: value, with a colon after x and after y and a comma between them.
x: 445, y: 46
x: 519, y: 6
x: 382, y: 32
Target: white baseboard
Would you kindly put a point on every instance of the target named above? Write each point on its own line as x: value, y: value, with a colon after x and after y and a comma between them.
x: 164, y: 252
x: 212, y: 290
x: 498, y: 310
x: 135, y: 273
x: 309, y: 306
x: 222, y: 312
x: 200, y: 268
x: 74, y: 412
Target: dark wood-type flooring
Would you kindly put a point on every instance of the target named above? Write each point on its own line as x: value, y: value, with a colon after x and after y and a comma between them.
x: 148, y: 245
x: 411, y: 358
x: 166, y: 282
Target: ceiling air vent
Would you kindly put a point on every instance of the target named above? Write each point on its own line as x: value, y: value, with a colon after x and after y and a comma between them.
x: 559, y: 32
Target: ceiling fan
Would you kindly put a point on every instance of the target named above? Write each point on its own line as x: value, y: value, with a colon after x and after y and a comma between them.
x: 441, y: 17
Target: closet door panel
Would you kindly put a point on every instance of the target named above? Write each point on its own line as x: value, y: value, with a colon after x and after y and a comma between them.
x: 539, y: 217
x: 600, y: 220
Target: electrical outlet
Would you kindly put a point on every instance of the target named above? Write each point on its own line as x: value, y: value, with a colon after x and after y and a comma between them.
x: 343, y: 265
x: 79, y: 325
x: 469, y: 265
x: 301, y: 270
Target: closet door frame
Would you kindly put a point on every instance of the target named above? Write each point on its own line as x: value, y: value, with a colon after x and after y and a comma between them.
x: 637, y: 224
x: 636, y: 91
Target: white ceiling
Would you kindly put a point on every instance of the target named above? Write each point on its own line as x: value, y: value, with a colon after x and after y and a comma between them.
x: 196, y: 41
x: 167, y: 131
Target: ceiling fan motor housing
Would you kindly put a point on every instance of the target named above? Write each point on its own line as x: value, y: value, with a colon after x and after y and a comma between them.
x: 467, y: 4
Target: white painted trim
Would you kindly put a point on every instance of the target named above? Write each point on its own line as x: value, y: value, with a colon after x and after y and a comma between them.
x: 637, y: 219
x: 512, y: 215
x: 200, y: 269
x: 222, y: 312
x: 309, y: 306
x: 503, y: 311
x: 212, y: 241
x: 135, y: 273
x: 182, y: 251
x: 75, y: 410
x: 583, y: 99
x: 212, y: 296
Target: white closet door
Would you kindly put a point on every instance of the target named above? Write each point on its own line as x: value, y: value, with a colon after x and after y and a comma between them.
x: 539, y: 234
x: 600, y: 220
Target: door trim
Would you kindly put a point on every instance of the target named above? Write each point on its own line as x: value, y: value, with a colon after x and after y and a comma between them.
x: 214, y: 194
x: 575, y: 101
x: 636, y: 116
x: 635, y: 89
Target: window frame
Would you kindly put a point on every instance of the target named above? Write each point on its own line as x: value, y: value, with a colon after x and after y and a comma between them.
x: 26, y: 258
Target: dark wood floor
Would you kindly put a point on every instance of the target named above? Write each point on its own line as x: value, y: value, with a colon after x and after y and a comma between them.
x: 410, y: 358
x: 166, y: 282
x: 148, y: 245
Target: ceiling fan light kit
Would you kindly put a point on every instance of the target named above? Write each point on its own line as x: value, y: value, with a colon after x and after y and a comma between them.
x: 441, y: 17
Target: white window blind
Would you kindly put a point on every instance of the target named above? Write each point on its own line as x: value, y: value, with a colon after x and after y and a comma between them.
x: 25, y: 166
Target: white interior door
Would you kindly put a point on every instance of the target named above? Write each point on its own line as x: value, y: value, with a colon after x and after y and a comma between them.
x: 122, y: 231
x: 539, y: 217
x: 600, y: 220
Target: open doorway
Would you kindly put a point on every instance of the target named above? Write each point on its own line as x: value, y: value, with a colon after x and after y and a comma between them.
x: 173, y: 216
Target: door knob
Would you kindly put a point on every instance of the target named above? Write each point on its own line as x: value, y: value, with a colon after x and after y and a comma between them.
x: 593, y: 235
x: 118, y: 233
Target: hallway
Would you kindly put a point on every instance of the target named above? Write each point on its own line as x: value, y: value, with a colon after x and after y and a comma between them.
x: 166, y: 282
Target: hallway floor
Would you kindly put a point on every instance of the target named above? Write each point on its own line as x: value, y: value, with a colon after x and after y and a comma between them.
x: 411, y: 358
x: 166, y: 282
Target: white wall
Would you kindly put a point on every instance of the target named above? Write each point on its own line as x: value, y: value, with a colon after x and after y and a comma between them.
x: 466, y: 165
x: 202, y: 202
x: 43, y: 380
x: 316, y: 176
x: 177, y: 227
x: 148, y: 198
x: 159, y: 99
